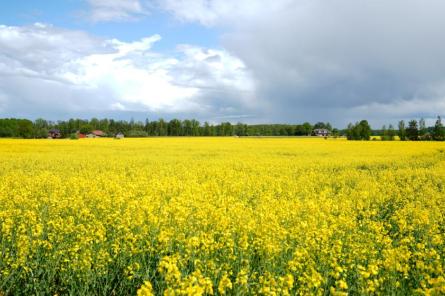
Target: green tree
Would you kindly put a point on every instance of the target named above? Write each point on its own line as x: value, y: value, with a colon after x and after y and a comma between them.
x: 391, y: 133
x: 322, y: 125
x: 40, y: 128
x: 388, y: 134
x: 195, y: 127
x: 438, y: 130
x: 226, y: 129
x: 161, y: 128
x: 365, y: 130
x: 360, y: 131
x: 402, y: 130
x: 412, y: 132
x: 241, y: 129
x: 307, y: 128
x: 175, y: 128
x: 350, y: 132
x: 206, y: 129
x: 422, y: 129
x: 384, y: 133
x: 86, y: 129
x: 187, y: 128
x: 104, y: 125
x: 328, y: 126
x: 25, y: 129
x: 94, y: 123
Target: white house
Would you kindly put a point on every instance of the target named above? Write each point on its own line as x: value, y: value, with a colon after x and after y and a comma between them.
x: 321, y: 132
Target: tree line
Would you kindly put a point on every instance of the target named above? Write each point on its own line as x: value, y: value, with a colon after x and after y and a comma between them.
x: 414, y: 131
x: 23, y: 128
x: 418, y: 131
x: 39, y: 128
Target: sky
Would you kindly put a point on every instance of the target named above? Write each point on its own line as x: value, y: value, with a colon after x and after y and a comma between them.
x: 252, y: 61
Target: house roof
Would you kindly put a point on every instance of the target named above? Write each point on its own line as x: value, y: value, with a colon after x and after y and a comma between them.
x: 98, y: 133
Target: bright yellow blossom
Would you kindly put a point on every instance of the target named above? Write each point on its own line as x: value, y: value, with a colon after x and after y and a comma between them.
x: 235, y: 216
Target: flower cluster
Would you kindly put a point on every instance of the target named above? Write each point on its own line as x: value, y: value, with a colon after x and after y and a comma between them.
x: 221, y: 216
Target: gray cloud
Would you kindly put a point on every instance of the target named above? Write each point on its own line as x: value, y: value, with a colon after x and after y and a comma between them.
x: 334, y: 60
x: 283, y: 61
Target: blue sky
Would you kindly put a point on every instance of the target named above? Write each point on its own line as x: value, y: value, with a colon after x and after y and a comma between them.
x: 73, y: 14
x: 255, y: 61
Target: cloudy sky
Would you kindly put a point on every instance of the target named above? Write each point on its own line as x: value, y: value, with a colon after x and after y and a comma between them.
x: 255, y: 61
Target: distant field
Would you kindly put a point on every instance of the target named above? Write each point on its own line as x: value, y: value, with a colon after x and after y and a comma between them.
x: 215, y: 216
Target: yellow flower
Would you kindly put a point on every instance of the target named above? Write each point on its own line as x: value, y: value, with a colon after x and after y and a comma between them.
x: 224, y: 284
x: 277, y: 216
x: 145, y: 290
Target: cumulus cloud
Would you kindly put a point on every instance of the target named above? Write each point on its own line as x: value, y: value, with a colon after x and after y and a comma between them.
x: 47, y: 70
x: 116, y: 10
x: 333, y: 60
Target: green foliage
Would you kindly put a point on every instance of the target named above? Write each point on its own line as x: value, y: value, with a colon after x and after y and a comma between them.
x: 74, y: 136
x: 175, y: 127
x: 136, y: 134
x: 86, y: 129
x: 22, y: 128
x: 422, y: 129
x: 412, y: 132
x: 402, y: 130
x: 16, y: 128
x: 359, y: 131
x: 322, y: 125
x: 388, y: 134
x: 40, y: 127
x: 241, y: 129
x: 439, y: 130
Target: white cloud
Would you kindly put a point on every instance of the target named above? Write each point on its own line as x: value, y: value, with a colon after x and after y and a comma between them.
x: 116, y: 10
x: 319, y: 60
x: 46, y: 69
x: 282, y: 61
x: 225, y: 71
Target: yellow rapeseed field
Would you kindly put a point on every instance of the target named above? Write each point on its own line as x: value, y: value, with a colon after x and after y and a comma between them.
x: 221, y: 216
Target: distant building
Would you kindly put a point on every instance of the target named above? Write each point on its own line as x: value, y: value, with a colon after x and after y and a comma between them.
x: 54, y: 134
x: 80, y: 135
x: 98, y: 133
x: 321, y: 132
x: 119, y: 136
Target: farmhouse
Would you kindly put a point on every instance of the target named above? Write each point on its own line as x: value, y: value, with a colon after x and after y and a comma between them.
x: 119, y: 136
x: 321, y: 132
x: 98, y: 133
x: 54, y: 134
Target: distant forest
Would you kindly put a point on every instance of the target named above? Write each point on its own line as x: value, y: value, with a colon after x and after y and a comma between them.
x: 24, y: 128
x: 40, y: 128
